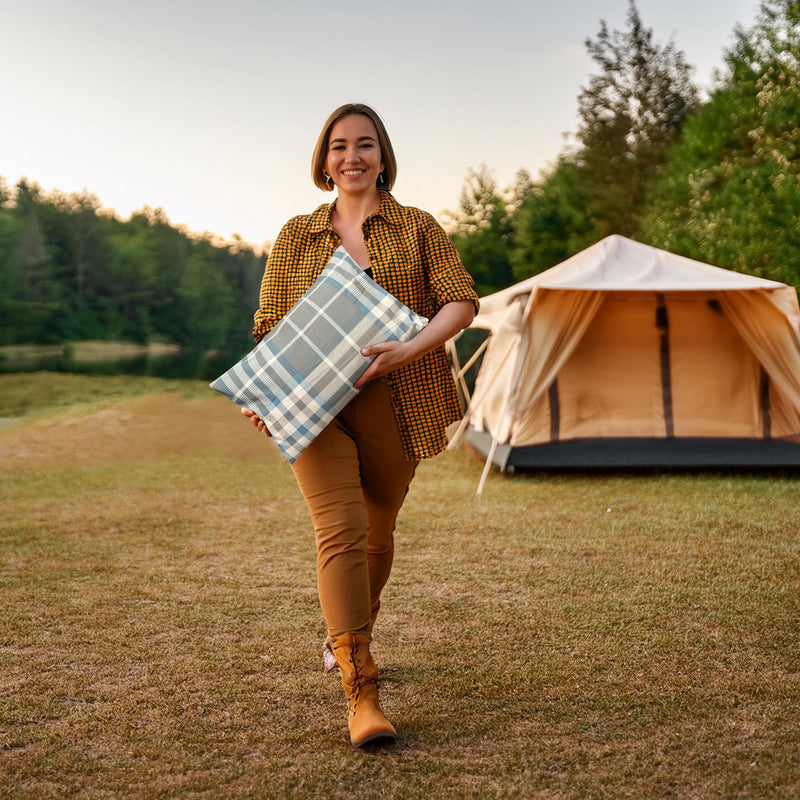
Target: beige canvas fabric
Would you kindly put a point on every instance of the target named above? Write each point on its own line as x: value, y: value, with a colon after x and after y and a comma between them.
x: 584, y: 336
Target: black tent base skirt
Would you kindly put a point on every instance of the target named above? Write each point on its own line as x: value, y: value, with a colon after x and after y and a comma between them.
x: 644, y: 453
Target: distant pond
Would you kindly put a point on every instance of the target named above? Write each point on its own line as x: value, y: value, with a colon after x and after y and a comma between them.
x: 117, y: 358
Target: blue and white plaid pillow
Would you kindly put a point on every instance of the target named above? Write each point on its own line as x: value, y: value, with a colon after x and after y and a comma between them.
x: 301, y: 374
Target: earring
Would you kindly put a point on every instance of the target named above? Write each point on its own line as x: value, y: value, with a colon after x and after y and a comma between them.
x: 328, y: 180
x: 380, y: 178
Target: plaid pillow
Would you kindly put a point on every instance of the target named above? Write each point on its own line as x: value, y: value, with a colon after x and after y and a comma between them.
x: 301, y: 374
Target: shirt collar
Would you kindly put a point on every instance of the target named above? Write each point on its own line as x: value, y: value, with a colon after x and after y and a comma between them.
x: 321, y: 218
x: 388, y: 208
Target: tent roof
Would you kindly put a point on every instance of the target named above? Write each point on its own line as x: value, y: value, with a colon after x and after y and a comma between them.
x: 619, y: 264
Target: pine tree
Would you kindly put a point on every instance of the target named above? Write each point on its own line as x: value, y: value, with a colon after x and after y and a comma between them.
x: 630, y: 112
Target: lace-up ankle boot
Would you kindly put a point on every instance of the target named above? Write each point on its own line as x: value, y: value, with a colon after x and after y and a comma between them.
x: 366, y: 721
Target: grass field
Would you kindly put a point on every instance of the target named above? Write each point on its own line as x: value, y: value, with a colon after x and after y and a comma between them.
x: 563, y: 636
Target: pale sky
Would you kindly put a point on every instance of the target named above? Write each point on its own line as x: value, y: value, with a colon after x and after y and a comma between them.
x: 210, y: 110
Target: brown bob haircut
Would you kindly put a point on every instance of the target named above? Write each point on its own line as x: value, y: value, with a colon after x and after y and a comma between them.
x: 321, y: 150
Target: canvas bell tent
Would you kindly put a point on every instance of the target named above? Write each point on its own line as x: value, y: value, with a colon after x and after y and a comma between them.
x: 629, y: 356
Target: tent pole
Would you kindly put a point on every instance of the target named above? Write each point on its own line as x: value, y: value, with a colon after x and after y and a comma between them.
x: 487, y: 466
x: 490, y: 457
x: 475, y: 356
x: 455, y: 366
x: 510, y: 390
x: 458, y: 371
x: 454, y: 439
x: 459, y: 431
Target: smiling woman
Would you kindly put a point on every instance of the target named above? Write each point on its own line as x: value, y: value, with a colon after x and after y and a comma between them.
x: 355, y: 475
x: 354, y: 118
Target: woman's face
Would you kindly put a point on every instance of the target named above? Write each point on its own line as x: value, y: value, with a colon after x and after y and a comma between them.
x: 354, y: 154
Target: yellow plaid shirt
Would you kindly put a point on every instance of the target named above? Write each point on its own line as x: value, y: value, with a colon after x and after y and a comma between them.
x: 411, y: 257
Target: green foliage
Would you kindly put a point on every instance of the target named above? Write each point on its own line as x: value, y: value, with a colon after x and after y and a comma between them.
x: 550, y: 224
x: 132, y: 269
x: 630, y: 112
x: 10, y: 236
x: 5, y: 194
x: 481, y: 230
x: 731, y: 191
x: 207, y: 302
x: 70, y: 271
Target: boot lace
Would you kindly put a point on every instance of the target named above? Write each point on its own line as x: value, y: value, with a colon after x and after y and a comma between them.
x: 359, y: 681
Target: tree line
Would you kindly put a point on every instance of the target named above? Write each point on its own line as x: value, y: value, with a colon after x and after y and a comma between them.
x: 716, y: 179
x: 70, y: 270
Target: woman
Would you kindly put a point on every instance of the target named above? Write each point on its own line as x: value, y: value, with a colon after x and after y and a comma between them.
x: 356, y: 473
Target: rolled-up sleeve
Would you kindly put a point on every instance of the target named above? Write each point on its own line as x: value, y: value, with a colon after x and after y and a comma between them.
x: 447, y: 276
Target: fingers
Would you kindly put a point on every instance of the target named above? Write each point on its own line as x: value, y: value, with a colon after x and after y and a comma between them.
x: 386, y: 358
x: 366, y: 376
x: 262, y: 426
x: 254, y: 419
x: 377, y: 349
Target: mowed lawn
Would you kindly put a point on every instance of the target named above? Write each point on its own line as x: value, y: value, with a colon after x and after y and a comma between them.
x: 562, y: 636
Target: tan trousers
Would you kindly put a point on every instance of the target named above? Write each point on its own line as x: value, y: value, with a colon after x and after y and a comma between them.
x: 354, y: 478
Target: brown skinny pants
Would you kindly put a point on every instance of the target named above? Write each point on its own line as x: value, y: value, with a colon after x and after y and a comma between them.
x: 354, y: 478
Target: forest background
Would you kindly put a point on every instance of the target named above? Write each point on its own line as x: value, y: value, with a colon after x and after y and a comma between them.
x: 711, y: 174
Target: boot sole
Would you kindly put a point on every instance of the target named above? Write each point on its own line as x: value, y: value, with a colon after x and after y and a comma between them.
x: 386, y: 736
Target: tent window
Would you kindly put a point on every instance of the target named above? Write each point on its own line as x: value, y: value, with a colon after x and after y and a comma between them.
x: 662, y: 323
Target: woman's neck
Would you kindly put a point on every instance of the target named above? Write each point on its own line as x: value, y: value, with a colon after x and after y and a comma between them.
x: 354, y: 209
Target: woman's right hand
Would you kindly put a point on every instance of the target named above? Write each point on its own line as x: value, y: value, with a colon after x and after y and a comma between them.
x: 256, y: 421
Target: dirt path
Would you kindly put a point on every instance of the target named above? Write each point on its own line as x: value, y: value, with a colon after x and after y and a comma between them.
x: 144, y: 427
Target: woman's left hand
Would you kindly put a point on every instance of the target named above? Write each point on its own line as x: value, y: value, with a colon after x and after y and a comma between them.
x: 389, y: 356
